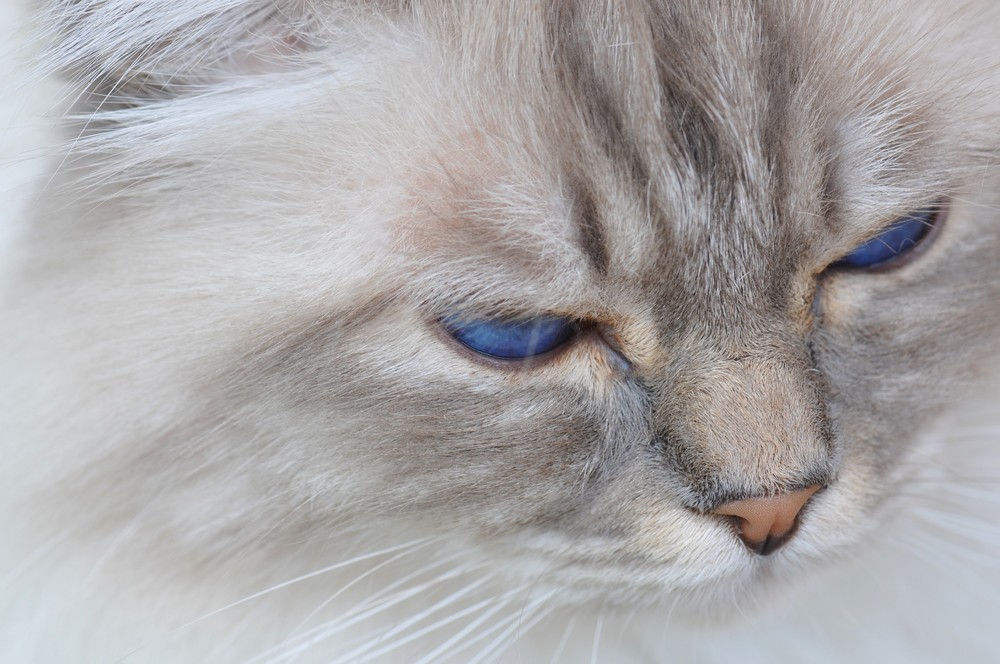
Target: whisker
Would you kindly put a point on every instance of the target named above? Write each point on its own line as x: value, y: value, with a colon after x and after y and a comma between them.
x: 37, y: 556
x: 564, y: 640
x: 354, y: 582
x: 446, y: 621
x: 516, y: 623
x: 431, y: 610
x: 377, y: 604
x: 596, y: 645
x: 325, y: 631
x: 447, y: 645
x: 299, y: 579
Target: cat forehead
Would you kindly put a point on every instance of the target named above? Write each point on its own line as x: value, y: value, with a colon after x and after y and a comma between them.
x: 731, y: 120
x: 700, y: 144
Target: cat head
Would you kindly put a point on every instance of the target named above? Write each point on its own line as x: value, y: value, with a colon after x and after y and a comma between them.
x: 581, y: 286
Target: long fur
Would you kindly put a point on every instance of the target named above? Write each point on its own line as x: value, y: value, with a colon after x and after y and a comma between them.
x: 234, y: 428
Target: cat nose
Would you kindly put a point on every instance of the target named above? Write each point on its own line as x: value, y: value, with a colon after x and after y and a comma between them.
x: 765, y: 524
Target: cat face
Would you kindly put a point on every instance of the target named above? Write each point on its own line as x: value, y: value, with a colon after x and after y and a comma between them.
x: 278, y: 260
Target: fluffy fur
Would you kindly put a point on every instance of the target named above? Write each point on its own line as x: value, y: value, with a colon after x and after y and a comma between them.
x: 234, y: 430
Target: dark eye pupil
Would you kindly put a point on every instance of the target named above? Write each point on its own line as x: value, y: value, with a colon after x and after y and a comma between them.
x: 511, y: 339
x: 893, y: 242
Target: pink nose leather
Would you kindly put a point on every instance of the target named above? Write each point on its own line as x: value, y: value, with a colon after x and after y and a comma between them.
x: 764, y: 524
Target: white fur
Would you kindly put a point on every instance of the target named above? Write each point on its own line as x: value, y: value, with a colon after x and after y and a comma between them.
x: 924, y: 588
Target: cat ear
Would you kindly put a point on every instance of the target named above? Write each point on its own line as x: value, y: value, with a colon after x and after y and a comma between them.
x: 140, y: 49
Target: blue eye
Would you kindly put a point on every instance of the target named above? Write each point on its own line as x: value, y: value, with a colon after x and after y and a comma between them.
x: 511, y: 339
x: 893, y: 242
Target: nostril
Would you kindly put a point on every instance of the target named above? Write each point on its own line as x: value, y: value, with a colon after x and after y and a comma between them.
x: 764, y: 524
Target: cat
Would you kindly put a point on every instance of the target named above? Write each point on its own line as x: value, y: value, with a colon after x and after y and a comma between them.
x: 427, y: 330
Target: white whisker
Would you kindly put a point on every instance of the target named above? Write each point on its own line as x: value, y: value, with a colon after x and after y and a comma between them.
x: 448, y: 646
x: 300, y: 579
x: 563, y: 641
x: 596, y: 645
x: 361, y: 577
x: 376, y: 605
x: 429, y: 611
x: 516, y: 623
x: 441, y: 623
